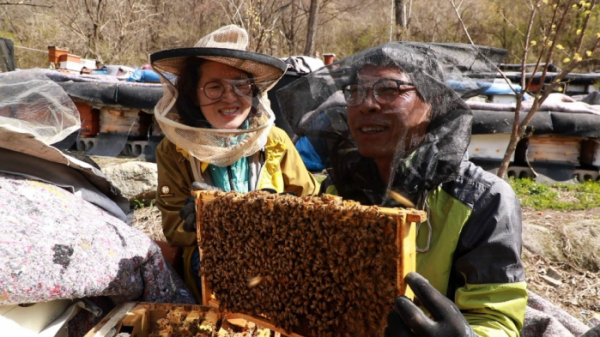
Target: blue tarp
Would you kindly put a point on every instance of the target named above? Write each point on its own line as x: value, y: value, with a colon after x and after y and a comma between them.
x: 495, y: 88
x: 144, y: 75
x: 309, y: 155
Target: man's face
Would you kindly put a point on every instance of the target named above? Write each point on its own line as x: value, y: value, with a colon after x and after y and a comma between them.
x: 398, y: 124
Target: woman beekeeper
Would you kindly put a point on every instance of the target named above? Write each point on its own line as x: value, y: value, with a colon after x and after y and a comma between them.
x: 219, y: 132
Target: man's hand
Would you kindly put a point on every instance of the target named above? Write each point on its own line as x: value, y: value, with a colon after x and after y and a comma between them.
x: 408, y: 320
x: 188, y: 211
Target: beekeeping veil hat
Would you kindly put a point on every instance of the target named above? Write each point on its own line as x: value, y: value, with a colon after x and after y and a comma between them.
x: 182, y: 121
x: 315, y: 107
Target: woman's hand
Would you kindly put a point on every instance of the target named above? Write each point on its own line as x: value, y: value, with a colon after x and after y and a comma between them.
x: 188, y: 211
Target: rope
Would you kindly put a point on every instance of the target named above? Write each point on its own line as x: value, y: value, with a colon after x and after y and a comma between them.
x: 32, y: 49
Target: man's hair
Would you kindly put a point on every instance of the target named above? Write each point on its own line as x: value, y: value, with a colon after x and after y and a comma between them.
x: 424, y: 72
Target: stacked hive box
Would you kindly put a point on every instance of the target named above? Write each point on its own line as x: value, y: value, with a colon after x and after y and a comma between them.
x: 175, y: 320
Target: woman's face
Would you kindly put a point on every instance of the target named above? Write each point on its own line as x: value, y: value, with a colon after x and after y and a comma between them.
x: 231, y: 109
x: 399, y: 124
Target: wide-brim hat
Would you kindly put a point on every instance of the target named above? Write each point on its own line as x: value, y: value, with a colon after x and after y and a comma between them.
x: 227, y: 45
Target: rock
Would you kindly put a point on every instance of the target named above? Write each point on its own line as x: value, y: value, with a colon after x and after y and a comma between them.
x: 551, y: 281
x: 543, y: 241
x: 562, y: 242
x: 553, y: 273
x: 137, y: 180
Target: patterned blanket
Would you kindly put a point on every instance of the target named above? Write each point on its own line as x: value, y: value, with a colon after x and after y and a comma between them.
x: 55, y: 245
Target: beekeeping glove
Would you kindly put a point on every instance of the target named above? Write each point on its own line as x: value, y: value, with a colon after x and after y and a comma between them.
x: 408, y: 320
x: 593, y: 332
x: 188, y: 211
x: 272, y: 191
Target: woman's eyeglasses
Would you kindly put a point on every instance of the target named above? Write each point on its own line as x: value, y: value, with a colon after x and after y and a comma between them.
x: 385, y: 91
x: 216, y: 89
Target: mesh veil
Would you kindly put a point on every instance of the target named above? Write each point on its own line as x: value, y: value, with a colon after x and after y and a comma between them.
x: 219, y: 147
x: 31, y: 103
x: 315, y: 107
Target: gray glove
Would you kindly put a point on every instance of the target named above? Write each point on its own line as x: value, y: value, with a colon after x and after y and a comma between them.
x: 188, y: 212
x: 593, y: 332
x: 272, y: 191
x: 408, y: 320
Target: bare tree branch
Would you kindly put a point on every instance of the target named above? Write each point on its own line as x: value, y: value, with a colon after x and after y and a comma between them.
x: 311, y: 30
x: 452, y: 2
x: 21, y: 3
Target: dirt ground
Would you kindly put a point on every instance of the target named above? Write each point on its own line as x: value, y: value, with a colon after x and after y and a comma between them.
x: 546, y: 216
x: 578, y: 292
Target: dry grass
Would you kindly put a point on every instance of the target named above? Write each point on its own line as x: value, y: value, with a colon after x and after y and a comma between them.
x: 577, y: 293
x: 148, y: 220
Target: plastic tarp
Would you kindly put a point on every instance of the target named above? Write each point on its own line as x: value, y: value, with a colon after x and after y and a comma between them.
x: 310, y: 157
x: 126, y: 94
x: 102, y: 89
x: 559, y: 114
x: 493, y: 88
x: 490, y: 122
x: 144, y: 75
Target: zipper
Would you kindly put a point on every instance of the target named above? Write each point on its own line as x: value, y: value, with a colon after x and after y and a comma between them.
x: 230, y: 174
x: 262, y: 157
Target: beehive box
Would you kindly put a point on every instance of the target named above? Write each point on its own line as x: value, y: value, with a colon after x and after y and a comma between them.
x: 314, y: 266
x: 139, y: 319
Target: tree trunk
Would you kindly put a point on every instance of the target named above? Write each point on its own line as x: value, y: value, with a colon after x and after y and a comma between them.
x: 510, y: 150
x: 155, y: 29
x: 402, y: 9
x: 311, y: 31
x: 402, y: 13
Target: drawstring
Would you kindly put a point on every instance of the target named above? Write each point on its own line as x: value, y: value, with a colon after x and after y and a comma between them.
x: 429, y: 227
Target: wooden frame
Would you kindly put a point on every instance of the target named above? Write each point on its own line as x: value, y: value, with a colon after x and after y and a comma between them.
x: 138, y: 318
x: 406, y: 220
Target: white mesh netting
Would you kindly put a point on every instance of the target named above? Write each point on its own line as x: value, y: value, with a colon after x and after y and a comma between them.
x: 216, y: 146
x: 39, y: 107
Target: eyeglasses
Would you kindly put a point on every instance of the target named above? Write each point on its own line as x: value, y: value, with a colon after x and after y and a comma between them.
x: 385, y: 91
x: 216, y: 89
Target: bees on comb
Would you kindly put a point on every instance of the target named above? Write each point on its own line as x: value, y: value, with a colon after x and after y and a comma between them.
x: 315, y: 264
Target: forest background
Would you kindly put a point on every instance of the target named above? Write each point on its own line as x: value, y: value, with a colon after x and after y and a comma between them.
x: 127, y: 31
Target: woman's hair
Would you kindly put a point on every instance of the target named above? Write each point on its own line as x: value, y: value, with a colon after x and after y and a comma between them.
x: 188, y: 81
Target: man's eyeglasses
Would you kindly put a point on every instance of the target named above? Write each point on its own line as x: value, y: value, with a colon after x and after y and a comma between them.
x: 385, y: 91
x: 216, y: 89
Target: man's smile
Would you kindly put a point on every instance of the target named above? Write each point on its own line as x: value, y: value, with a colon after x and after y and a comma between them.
x: 372, y: 129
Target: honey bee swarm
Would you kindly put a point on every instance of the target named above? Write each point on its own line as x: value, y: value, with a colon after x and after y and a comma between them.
x: 179, y: 322
x: 317, y: 266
